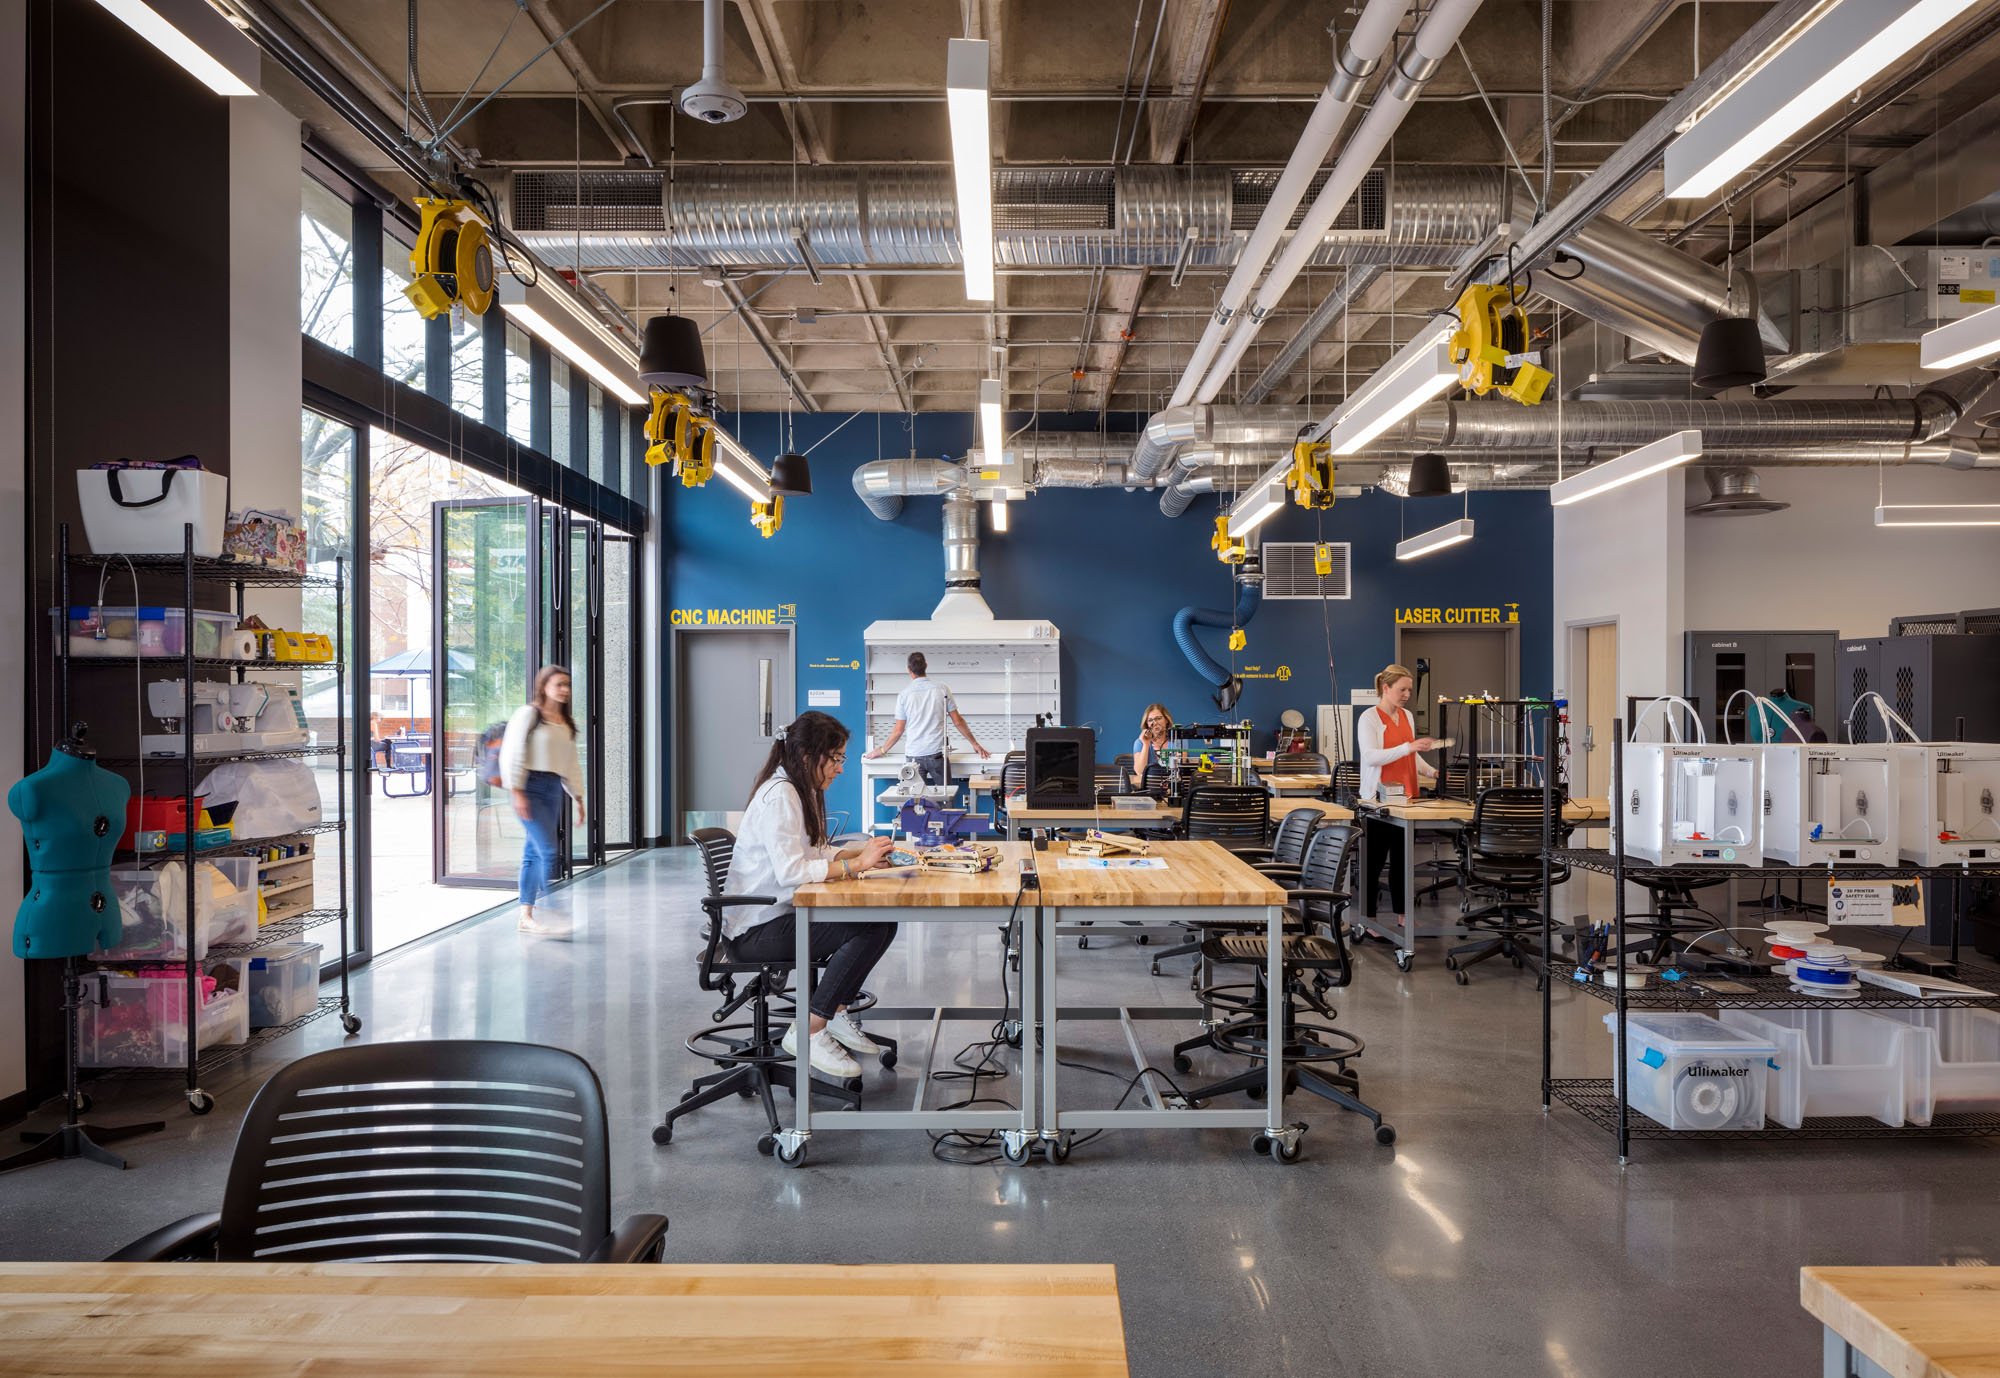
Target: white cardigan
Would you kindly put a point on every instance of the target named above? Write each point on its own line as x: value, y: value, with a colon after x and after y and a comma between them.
x: 527, y: 747
x: 1368, y: 732
x: 773, y: 856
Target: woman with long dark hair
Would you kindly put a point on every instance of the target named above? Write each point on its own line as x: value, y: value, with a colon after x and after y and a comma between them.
x: 538, y: 765
x: 783, y: 844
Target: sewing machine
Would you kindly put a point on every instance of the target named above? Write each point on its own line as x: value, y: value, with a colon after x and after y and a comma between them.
x: 251, y: 716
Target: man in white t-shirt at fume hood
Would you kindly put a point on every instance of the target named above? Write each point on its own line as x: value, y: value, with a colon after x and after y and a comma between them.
x: 922, y: 710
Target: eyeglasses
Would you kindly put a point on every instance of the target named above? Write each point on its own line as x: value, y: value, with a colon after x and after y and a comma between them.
x: 838, y: 758
x: 1156, y: 722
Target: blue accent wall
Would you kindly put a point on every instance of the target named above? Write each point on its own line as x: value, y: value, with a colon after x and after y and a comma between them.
x: 1105, y: 567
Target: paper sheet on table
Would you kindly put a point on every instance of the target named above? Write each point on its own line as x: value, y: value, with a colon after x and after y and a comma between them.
x: 1111, y: 863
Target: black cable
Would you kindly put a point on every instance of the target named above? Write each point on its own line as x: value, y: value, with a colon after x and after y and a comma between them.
x: 952, y: 1145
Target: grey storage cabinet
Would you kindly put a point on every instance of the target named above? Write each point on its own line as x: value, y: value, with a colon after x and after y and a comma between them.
x: 1945, y: 687
x: 1720, y: 663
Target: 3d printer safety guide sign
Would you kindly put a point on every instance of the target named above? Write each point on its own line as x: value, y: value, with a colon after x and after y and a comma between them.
x: 783, y: 615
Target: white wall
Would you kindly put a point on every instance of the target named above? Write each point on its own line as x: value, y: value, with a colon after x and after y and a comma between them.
x: 13, y: 500
x: 1619, y: 558
x: 1824, y: 562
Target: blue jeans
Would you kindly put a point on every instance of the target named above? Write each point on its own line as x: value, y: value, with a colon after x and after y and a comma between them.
x: 538, y: 857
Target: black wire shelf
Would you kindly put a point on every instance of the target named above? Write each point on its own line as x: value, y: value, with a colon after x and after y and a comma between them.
x: 1639, y: 871
x: 1597, y: 1102
x: 1774, y: 992
x: 286, y: 753
x: 172, y: 662
x: 238, y: 847
x: 208, y: 569
x: 279, y: 931
x: 210, y: 1059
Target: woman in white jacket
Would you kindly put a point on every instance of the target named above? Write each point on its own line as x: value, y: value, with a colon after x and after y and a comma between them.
x: 539, y: 765
x: 782, y: 845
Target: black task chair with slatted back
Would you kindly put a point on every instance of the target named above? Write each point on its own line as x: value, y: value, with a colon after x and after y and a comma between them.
x: 1283, y: 862
x: 1346, y: 786
x: 1123, y: 763
x: 1300, y: 763
x: 418, y: 1152
x: 1236, y: 817
x: 1313, y: 961
x: 749, y: 1061
x: 1504, y: 882
x: 1013, y: 785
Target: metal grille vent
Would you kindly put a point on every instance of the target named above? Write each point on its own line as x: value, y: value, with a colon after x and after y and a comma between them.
x: 1064, y: 199
x: 1925, y: 624
x: 1906, y: 692
x: 1289, y: 573
x: 1859, y: 722
x: 621, y: 202
x: 1366, y: 212
x: 1983, y: 622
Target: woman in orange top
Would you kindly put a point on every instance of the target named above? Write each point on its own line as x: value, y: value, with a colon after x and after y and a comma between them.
x: 1389, y: 747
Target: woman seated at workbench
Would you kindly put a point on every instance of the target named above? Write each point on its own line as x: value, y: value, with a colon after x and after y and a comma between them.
x: 782, y: 845
x: 1154, y: 726
x: 1389, y: 747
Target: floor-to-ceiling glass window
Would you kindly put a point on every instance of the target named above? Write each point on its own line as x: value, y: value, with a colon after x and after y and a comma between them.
x: 619, y: 681
x: 327, y: 455
x: 326, y: 267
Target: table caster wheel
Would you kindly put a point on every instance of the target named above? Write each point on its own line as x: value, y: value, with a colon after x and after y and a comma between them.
x: 1017, y: 1154
x: 1461, y: 978
x: 767, y: 1145
x: 795, y: 1157
x: 1261, y: 1144
x: 1287, y: 1152
x: 1083, y: 944
x: 888, y: 1058
x: 1403, y: 960
x: 83, y: 1102
x: 1058, y: 1150
x: 1182, y: 1063
x: 200, y: 1102
x: 663, y: 1133
x: 351, y: 1023
x: 1385, y: 1134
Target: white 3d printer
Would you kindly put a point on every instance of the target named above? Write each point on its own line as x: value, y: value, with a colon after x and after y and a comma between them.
x: 1691, y: 803
x: 1947, y: 797
x: 1826, y: 803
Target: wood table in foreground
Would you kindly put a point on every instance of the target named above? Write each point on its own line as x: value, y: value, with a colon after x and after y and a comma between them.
x: 496, y: 1321
x: 1909, y: 1322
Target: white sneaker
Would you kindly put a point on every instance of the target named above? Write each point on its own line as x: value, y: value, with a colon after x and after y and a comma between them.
x: 848, y: 1035
x: 545, y: 926
x: 827, y: 1056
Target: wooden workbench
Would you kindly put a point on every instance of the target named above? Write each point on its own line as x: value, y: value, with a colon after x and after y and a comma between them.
x: 1103, y: 816
x: 232, y: 1320
x: 1909, y: 1322
x: 915, y: 889
x: 1335, y: 813
x: 1197, y: 873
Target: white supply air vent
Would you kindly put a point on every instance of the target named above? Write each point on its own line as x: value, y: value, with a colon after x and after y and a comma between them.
x: 1288, y: 571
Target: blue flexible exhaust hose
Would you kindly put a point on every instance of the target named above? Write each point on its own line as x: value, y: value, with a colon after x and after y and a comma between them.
x: 1249, y: 594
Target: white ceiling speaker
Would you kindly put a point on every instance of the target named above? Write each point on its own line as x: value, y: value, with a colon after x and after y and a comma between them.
x: 713, y: 100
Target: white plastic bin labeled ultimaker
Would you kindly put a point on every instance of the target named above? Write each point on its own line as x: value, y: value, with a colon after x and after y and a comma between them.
x: 1963, y: 1048
x: 1834, y: 1062
x: 143, y: 511
x: 1689, y: 1072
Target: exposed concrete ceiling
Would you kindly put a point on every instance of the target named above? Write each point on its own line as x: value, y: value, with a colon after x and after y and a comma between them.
x: 1227, y: 83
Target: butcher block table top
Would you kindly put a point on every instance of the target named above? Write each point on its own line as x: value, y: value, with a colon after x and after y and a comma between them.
x: 1914, y: 1322
x: 911, y: 888
x: 1197, y: 873
x: 232, y: 1320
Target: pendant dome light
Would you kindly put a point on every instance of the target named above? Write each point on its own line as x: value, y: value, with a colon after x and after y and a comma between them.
x: 1430, y: 477
x: 670, y: 354
x: 791, y: 474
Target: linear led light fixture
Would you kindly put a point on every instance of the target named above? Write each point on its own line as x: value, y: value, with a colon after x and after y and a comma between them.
x: 1436, y: 539
x: 567, y: 326
x: 1963, y: 341
x: 1000, y: 514
x: 992, y: 435
x: 1419, y: 371
x: 740, y: 467
x: 1846, y: 46
x: 203, y: 43
x: 1260, y: 501
x: 967, y: 79
x: 1630, y: 467
x: 1940, y: 514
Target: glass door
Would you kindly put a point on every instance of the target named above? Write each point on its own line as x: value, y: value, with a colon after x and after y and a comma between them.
x: 618, y: 679
x: 582, y: 655
x: 485, y: 572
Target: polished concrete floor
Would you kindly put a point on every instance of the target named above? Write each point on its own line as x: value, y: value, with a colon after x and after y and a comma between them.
x: 1491, y: 1239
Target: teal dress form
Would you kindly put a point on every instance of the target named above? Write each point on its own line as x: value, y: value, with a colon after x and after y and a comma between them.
x: 72, y: 814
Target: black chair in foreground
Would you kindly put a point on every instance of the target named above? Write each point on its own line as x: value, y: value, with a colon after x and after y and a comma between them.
x: 748, y: 1057
x: 1503, y: 865
x: 1314, y: 960
x: 428, y: 1152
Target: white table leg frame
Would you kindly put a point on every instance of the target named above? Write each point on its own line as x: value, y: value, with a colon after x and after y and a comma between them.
x: 1161, y: 1111
x: 1403, y: 930
x: 1017, y: 1125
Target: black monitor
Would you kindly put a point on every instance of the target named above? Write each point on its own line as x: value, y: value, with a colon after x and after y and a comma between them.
x: 1062, y: 768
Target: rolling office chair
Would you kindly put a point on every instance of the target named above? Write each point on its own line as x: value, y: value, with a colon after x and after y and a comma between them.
x: 1313, y: 960
x: 1282, y: 861
x: 1237, y: 817
x: 399, y: 1153
x: 1346, y: 782
x: 748, y: 1058
x: 1013, y: 780
x: 1300, y: 763
x: 1504, y: 865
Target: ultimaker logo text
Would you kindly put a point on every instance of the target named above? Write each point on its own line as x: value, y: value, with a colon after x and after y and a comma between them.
x: 1702, y: 1069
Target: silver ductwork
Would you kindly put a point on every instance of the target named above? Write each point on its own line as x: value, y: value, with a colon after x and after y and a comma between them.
x: 882, y: 484
x: 1173, y: 430
x: 962, y: 598
x: 905, y: 216
x: 1653, y: 292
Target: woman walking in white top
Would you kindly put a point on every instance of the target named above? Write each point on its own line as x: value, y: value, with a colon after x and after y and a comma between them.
x: 782, y: 845
x: 538, y: 765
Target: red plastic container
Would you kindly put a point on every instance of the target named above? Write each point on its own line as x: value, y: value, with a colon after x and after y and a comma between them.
x: 158, y: 813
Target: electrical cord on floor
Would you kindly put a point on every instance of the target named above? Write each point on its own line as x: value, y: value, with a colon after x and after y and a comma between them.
x: 965, y: 1147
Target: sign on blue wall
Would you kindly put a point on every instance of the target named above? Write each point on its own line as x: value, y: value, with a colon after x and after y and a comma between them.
x: 1109, y: 570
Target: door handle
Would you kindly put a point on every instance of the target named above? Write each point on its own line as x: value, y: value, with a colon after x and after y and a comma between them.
x: 765, y: 726
x: 1589, y: 738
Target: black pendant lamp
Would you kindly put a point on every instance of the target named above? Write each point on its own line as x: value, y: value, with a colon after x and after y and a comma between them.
x: 791, y: 474
x: 670, y: 354
x: 1430, y: 477
x: 1730, y: 355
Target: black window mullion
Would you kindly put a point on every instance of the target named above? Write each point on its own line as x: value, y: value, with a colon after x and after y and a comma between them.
x: 541, y: 399
x: 368, y: 283
x: 493, y: 346
x: 614, y: 447
x: 437, y: 357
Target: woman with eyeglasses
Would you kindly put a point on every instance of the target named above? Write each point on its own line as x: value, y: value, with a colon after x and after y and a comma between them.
x: 782, y: 845
x: 1154, y: 726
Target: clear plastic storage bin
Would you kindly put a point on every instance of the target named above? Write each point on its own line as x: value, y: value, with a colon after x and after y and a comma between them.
x: 143, y: 1022
x: 153, y: 904
x: 1834, y: 1062
x: 105, y: 630
x: 1689, y: 1072
x: 284, y: 983
x: 1962, y: 1048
